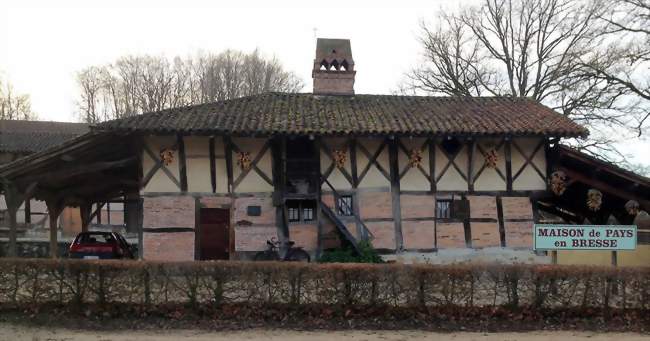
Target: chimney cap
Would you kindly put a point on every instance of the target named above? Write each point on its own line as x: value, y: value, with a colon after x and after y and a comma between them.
x: 330, y: 49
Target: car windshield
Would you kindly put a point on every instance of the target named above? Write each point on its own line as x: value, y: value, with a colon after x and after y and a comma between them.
x: 95, y: 238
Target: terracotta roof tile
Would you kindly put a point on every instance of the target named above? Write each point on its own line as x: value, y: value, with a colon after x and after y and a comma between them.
x: 18, y: 136
x: 286, y: 113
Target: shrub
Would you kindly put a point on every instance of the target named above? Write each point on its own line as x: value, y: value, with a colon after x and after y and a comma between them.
x: 367, y: 254
x: 537, y: 287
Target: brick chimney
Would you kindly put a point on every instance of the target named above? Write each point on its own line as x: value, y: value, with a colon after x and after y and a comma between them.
x: 333, y: 71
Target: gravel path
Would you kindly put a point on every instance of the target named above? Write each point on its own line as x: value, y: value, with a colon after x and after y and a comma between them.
x: 13, y: 332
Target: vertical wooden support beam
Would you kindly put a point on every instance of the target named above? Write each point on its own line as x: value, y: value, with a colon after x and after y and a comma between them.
x: 13, y: 202
x: 508, y: 152
x: 614, y: 258
x: 432, y: 164
x: 278, y: 151
x: 140, y: 221
x: 213, y: 167
x: 54, y: 208
x: 182, y: 162
x: 28, y: 211
x: 12, y: 210
x: 227, y: 149
x: 85, y: 211
x: 471, y: 148
x: 395, y: 192
x: 502, y: 229
x: 316, y: 181
x: 353, y: 163
x: 197, y: 229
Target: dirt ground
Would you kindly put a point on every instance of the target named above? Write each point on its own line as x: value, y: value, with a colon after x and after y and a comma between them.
x: 15, y: 332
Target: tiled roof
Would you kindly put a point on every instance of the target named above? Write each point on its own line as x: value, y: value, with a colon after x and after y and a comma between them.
x: 285, y: 113
x: 33, y: 136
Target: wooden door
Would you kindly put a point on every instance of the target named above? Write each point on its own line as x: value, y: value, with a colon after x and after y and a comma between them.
x: 214, y: 233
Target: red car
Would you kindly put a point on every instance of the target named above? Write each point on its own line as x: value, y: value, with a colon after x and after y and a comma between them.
x: 100, y: 245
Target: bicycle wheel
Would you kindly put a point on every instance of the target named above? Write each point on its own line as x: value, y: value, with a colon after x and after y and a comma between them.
x: 299, y: 255
x: 266, y: 256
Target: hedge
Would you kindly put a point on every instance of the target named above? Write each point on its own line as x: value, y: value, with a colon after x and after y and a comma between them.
x: 73, y: 282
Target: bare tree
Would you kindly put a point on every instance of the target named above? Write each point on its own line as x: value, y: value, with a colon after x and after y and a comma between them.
x: 14, y: 106
x: 623, y: 61
x: 136, y: 84
x: 531, y: 48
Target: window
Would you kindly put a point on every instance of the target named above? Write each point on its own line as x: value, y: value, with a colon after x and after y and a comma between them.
x: 301, y: 210
x: 443, y: 209
x: 344, y: 205
x: 293, y: 210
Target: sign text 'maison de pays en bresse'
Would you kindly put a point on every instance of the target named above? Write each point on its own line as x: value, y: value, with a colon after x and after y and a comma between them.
x: 584, y: 237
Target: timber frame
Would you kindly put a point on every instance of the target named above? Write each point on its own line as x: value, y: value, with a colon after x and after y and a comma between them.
x: 112, y: 168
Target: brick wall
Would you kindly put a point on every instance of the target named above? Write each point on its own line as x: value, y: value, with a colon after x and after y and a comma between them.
x: 373, y: 205
x: 176, y: 246
x: 252, y: 232
x: 450, y: 235
x: 163, y: 216
x: 418, y: 234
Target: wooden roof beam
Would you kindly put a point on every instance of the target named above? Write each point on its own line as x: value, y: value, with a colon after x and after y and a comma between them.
x: 605, y: 187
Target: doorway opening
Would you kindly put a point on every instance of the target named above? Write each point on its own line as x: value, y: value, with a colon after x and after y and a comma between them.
x: 302, y: 166
x: 214, y: 234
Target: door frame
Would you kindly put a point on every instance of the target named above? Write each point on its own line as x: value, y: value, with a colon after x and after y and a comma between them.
x: 197, y: 228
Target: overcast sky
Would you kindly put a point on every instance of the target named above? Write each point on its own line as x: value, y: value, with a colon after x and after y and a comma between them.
x: 42, y: 46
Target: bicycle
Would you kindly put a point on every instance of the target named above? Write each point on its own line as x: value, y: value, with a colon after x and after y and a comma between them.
x: 293, y: 254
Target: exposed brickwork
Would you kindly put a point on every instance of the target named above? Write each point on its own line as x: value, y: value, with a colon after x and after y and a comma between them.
x: 417, y: 206
x: 304, y: 235
x: 517, y: 208
x: 175, y: 246
x: 215, y: 202
x: 519, y: 234
x: 418, y: 234
x: 168, y: 211
x: 482, y: 206
x: 328, y: 200
x: 70, y: 221
x: 266, y: 204
x: 330, y: 237
x: 375, y: 205
x: 485, y: 235
x: 384, y: 233
x: 253, y: 238
x: 450, y: 235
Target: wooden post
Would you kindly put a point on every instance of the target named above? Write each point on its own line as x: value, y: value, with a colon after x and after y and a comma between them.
x: 28, y: 211
x: 432, y: 164
x: 182, y: 162
x: 12, y: 252
x: 554, y: 257
x: 54, y: 208
x: 395, y: 193
x: 85, y: 211
x: 508, y: 152
x: 316, y: 180
x: 213, y: 166
x: 471, y: 146
x: 12, y: 199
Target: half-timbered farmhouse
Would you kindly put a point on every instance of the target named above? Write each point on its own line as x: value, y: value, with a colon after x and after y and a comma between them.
x: 429, y: 178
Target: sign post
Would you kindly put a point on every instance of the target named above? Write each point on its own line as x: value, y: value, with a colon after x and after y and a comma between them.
x: 554, y: 237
